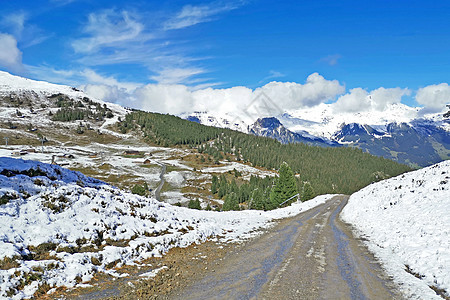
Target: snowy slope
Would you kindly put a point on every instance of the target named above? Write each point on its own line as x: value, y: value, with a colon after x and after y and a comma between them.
x: 16, y: 84
x: 322, y: 120
x: 60, y: 227
x: 217, y: 120
x: 407, y: 222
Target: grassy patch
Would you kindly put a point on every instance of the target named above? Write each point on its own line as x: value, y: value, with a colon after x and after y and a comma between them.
x: 9, y: 262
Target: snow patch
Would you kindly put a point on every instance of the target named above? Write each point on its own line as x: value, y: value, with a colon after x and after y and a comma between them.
x: 84, y: 226
x: 407, y: 222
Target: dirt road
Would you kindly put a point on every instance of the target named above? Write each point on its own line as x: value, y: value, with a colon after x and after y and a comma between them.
x: 161, y: 183
x: 310, y: 256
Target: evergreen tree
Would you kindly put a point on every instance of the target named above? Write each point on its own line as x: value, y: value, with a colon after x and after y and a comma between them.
x: 231, y: 202
x: 257, y: 201
x: 194, y: 204
x: 284, y: 188
x: 214, y: 184
x: 307, y: 192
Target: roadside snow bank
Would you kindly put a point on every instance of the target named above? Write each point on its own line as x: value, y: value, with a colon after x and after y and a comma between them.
x: 59, y: 227
x: 407, y: 222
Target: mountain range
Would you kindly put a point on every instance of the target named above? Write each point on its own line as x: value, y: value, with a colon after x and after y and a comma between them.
x: 401, y: 133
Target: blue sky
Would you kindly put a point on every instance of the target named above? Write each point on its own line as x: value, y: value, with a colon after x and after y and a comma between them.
x: 224, y: 44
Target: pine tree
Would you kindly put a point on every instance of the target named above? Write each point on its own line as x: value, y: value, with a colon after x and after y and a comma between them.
x: 194, y: 204
x: 214, y: 184
x: 307, y: 192
x: 257, y: 201
x: 284, y: 188
x: 231, y: 202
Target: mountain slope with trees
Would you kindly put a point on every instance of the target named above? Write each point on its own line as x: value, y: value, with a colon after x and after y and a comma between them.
x: 326, y: 170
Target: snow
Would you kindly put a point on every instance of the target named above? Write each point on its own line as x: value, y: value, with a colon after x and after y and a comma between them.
x: 324, y: 120
x: 76, y: 212
x: 246, y: 170
x: 11, y: 83
x: 407, y: 222
x: 153, y: 273
x: 221, y: 120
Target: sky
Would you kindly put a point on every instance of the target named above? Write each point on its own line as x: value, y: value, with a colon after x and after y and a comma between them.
x: 181, y: 56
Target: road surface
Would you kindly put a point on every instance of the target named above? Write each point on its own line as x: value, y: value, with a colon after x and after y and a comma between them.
x: 161, y: 183
x: 310, y: 256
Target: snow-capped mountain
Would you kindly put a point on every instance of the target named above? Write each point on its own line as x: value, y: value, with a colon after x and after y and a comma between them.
x: 401, y: 133
x: 272, y: 127
x: 221, y: 121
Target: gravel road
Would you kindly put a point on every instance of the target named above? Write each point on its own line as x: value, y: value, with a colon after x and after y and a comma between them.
x: 311, y: 256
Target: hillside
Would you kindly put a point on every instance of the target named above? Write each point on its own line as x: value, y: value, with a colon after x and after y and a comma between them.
x: 36, y: 113
x: 56, y: 123
x: 61, y: 228
x: 405, y: 222
x: 328, y: 170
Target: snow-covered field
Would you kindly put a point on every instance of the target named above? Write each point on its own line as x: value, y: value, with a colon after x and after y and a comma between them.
x: 60, y: 227
x: 407, y: 222
x: 246, y: 170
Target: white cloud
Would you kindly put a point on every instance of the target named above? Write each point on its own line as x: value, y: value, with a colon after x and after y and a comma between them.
x: 272, y: 74
x: 10, y: 55
x: 434, y: 97
x: 331, y: 60
x: 230, y: 100
x: 109, y: 29
x: 93, y: 77
x: 355, y: 101
x: 176, y: 99
x: 164, y: 98
x: 108, y: 93
x: 294, y: 95
x: 382, y: 97
x: 191, y: 15
x: 15, y: 22
x: 358, y: 99
x: 176, y: 75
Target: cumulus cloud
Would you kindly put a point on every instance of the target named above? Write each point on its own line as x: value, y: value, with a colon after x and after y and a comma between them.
x: 382, y: 97
x: 176, y: 99
x: 164, y: 98
x: 358, y: 99
x: 10, y: 55
x: 434, y: 97
x: 355, y: 101
x: 109, y: 93
x: 294, y: 95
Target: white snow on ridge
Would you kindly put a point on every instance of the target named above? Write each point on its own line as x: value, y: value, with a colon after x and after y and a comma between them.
x: 69, y: 210
x: 407, y: 222
x: 323, y: 121
x: 11, y: 83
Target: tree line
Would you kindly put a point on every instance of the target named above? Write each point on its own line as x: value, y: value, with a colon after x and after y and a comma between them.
x: 324, y: 170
